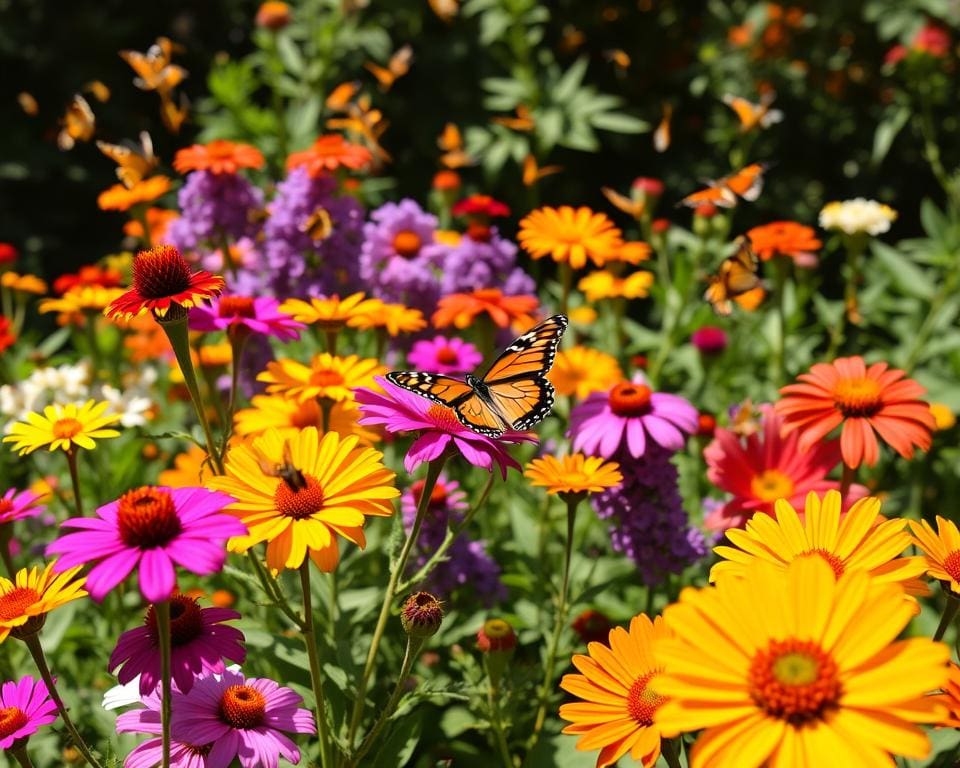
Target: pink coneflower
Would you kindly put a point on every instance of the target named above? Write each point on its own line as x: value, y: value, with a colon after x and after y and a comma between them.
x: 19, y: 506
x: 709, y: 339
x: 401, y: 411
x: 24, y: 707
x: 200, y: 643
x: 147, y: 720
x: 760, y: 468
x: 631, y: 412
x: 444, y: 355
x: 242, y: 719
x: 236, y: 314
x: 150, y: 528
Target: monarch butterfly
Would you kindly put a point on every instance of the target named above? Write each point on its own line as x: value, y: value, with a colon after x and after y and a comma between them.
x: 133, y: 162
x: 523, y: 122
x: 723, y: 192
x: 451, y: 142
x: 513, y: 394
x: 153, y: 68
x: 341, y: 96
x: 752, y: 115
x: 78, y: 123
x: 623, y: 203
x: 397, y: 67
x: 737, y: 275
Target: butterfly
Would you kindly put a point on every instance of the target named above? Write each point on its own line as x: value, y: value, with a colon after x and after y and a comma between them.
x: 513, y: 394
x: 623, y: 203
x: 396, y: 68
x: 341, y: 96
x: 154, y: 69
x: 451, y: 142
x: 319, y: 225
x: 752, y: 115
x: 286, y: 471
x: 133, y: 162
x: 98, y: 90
x: 523, y: 122
x: 661, y: 136
x: 723, y: 192
x: 532, y: 172
x: 77, y: 124
x: 737, y: 275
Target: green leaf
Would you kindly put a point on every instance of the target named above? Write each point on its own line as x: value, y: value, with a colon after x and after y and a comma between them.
x: 567, y: 86
x: 302, y: 120
x: 619, y: 123
x: 904, y: 274
x: 402, y: 740
x: 887, y: 131
x: 935, y: 223
x: 290, y: 55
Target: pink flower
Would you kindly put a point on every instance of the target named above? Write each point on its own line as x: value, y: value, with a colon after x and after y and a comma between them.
x: 631, y: 412
x: 242, y: 719
x: 766, y: 466
x: 401, y: 411
x: 709, y: 340
x: 895, y: 55
x: 443, y: 355
x: 151, y: 529
x: 200, y: 643
x: 19, y: 506
x: 932, y: 39
x: 236, y: 314
x: 24, y: 707
x: 647, y: 186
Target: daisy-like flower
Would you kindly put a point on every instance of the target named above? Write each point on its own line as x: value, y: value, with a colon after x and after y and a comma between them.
x: 63, y: 427
x: 631, y: 413
x: 26, y: 601
x: 189, y: 468
x: 218, y: 156
x: 864, y: 400
x: 25, y: 706
x: 289, y: 416
x: 575, y: 475
x: 245, y: 314
x: 444, y: 355
x: 862, y: 539
x: 858, y: 216
x: 88, y: 274
x: 23, y: 283
x: 786, y: 238
x: 328, y: 489
x: 617, y: 700
x: 819, y: 680
x: 163, y: 282
x: 200, y: 641
x: 482, y: 206
x: 393, y: 318
x: 581, y: 371
x: 121, y: 198
x: 950, y: 698
x: 79, y: 301
x: 158, y: 225
x: 461, y: 309
x: 570, y: 235
x: 941, y: 550
x: 401, y: 411
x: 329, y: 153
x: 151, y: 528
x: 19, y: 505
x: 605, y: 285
x: 327, y: 376
x: 332, y: 313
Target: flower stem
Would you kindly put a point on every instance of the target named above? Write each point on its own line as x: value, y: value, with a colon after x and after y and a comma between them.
x: 846, y: 480
x: 496, y: 724
x: 36, y: 651
x: 162, y: 610
x: 75, y: 480
x: 316, y: 678
x: 19, y: 753
x: 949, y: 614
x: 779, y: 348
x: 670, y: 751
x: 273, y: 592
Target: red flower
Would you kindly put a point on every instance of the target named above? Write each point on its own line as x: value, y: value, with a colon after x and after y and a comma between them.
x: 481, y: 205
x: 218, y: 156
x: 89, y: 274
x: 592, y: 626
x: 445, y: 181
x: 329, y: 153
x: 8, y: 254
x: 648, y: 186
x: 933, y: 40
x: 7, y: 336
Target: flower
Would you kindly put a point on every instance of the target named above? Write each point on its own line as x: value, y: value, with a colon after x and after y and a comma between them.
x: 189, y: 468
x: 461, y: 309
x: 25, y: 705
x: 393, y: 318
x: 579, y: 371
x: 328, y: 486
x: 950, y: 698
x: 331, y: 313
x: 7, y: 335
x: 257, y: 315
x: 329, y: 153
x: 26, y: 601
x: 280, y: 412
x: 421, y: 615
x: 327, y: 376
x: 786, y: 238
x: 8, y: 253
x: 19, y: 506
x: 120, y: 198
x: 496, y: 636
x: 63, y: 427
x: 633, y: 253
x: 401, y: 411
x: 941, y: 550
x: 215, y: 208
x: 273, y: 15
x: 158, y: 225
x: 151, y: 528
x: 444, y: 355
x: 79, y: 301
x: 576, y: 474
x: 709, y: 340
x: 162, y: 281
x: 618, y: 700
x: 591, y: 626
x: 446, y: 181
x: 480, y: 205
x: 647, y: 186
x: 570, y: 235
x: 200, y: 641
x: 23, y: 283
x: 819, y: 678
x: 217, y: 157
x: 943, y: 417
x: 89, y: 274
x: 630, y: 413
x: 857, y: 216
x: 863, y: 400
x: 483, y: 260
x: 605, y: 285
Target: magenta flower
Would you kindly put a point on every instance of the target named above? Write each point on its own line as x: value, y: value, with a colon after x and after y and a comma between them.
x: 200, y: 644
x: 709, y: 339
x: 236, y: 314
x: 147, y: 720
x: 443, y: 355
x: 401, y: 411
x: 24, y: 707
x: 19, y: 506
x: 151, y: 529
x: 242, y: 719
x: 631, y: 412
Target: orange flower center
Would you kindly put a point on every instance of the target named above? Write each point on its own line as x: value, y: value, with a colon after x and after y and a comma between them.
x: 447, y: 355
x: 951, y: 564
x: 299, y: 503
x: 438, y: 496
x: 772, y: 485
x: 237, y: 306
x: 16, y: 601
x: 12, y: 719
x: 242, y: 707
x: 443, y: 418
x: 160, y: 272
x: 307, y: 415
x: 795, y: 680
x: 629, y: 399
x: 642, y: 702
x: 147, y: 518
x: 65, y: 429
x: 857, y: 397
x: 324, y: 377
x: 407, y: 243
x: 186, y: 621
x: 831, y: 559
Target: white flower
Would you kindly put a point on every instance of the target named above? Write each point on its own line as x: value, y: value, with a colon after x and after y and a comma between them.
x: 130, y: 405
x: 857, y: 215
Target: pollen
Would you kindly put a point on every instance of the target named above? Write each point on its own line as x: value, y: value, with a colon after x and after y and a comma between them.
x: 628, y: 399
x: 147, y: 518
x: 242, y: 707
x: 443, y: 418
x: 794, y: 680
x: 857, y: 397
x: 828, y: 557
x: 951, y: 564
x: 324, y: 377
x: 642, y: 701
x: 16, y: 601
x: 65, y: 429
x: 302, y: 503
x: 160, y: 272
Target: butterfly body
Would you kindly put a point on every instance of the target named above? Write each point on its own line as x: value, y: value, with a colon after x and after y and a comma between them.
x: 736, y: 276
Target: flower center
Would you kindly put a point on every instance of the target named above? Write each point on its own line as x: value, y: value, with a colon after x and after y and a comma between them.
x: 65, y: 429
x: 438, y: 496
x: 771, y: 485
x: 160, y: 272
x: 407, y: 243
x: 479, y: 232
x: 237, y: 306
x: 242, y: 707
x: 307, y: 415
x: 642, y: 702
x: 857, y: 397
x: 831, y: 559
x: 795, y: 680
x: 12, y: 719
x: 628, y: 399
x: 444, y: 418
x: 147, y: 518
x: 324, y: 377
x: 299, y: 503
x: 951, y: 564
x: 186, y: 621
x: 16, y: 601
x: 447, y: 355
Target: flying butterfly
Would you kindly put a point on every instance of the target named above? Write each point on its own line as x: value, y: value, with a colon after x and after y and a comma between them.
x: 77, y: 124
x: 514, y: 393
x: 133, y: 162
x: 737, y: 275
x: 319, y: 225
x: 747, y: 183
x: 341, y: 96
x: 629, y: 206
x: 532, y: 172
x: 523, y: 122
x: 752, y: 115
x: 454, y: 154
x: 396, y: 68
x: 661, y: 136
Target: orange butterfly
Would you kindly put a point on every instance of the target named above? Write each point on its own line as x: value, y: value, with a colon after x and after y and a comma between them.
x: 723, y: 193
x: 319, y: 225
x: 396, y: 68
x: 341, y: 96
x: 78, y: 123
x: 752, y: 115
x: 737, y: 275
x: 523, y: 122
x: 133, y: 162
x: 98, y: 90
x: 661, y: 136
x: 532, y: 173
x: 28, y: 103
x: 623, y: 203
x: 619, y: 58
x: 451, y: 142
x: 446, y: 10
x: 514, y: 394
x: 173, y: 114
x: 154, y: 69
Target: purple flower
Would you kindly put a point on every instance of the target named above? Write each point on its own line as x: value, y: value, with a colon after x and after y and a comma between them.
x: 151, y: 529
x: 258, y: 315
x: 26, y: 706
x: 147, y: 720
x: 472, y: 265
x: 200, y: 643
x: 444, y: 355
x: 214, y: 207
x: 19, y: 506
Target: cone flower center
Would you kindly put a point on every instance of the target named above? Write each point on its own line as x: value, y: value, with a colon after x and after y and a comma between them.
x: 438, y: 496
x: 951, y: 564
x: 642, y: 702
x: 771, y: 485
x: 16, y: 602
x: 857, y: 397
x: 237, y: 306
x: 444, y: 418
x: 795, y: 680
x: 829, y: 558
x: 324, y: 377
x: 496, y: 635
x: 306, y: 415
x: 447, y: 355
x: 65, y: 429
x: 147, y: 518
x: 186, y: 621
x: 12, y: 719
x: 242, y: 707
x: 160, y: 272
x: 407, y: 243
x: 299, y: 503
x: 629, y: 399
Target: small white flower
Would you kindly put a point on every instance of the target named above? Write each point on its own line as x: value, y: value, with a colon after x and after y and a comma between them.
x: 857, y: 216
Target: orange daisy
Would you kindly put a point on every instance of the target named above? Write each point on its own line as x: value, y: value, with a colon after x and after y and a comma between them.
x: 866, y: 401
x: 786, y: 238
x: 119, y: 198
x: 941, y: 550
x: 460, y: 309
x: 950, y: 697
x: 570, y: 235
x: 158, y: 222
x: 329, y: 153
x: 218, y: 156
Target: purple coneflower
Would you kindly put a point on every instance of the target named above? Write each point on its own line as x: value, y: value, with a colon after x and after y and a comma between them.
x: 444, y: 355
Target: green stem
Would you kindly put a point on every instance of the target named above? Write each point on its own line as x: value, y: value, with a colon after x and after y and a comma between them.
x: 90, y: 325
x: 273, y: 590
x: 162, y: 612
x: 670, y: 752
x: 316, y: 679
x: 949, y: 614
x: 779, y: 349
x: 331, y: 337
x: 20, y: 755
x: 6, y: 533
x: 566, y: 285
x: 75, y: 480
x: 496, y: 725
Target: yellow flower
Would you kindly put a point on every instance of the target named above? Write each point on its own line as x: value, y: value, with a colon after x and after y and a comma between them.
x: 579, y: 371
x: 121, y: 198
x: 573, y: 474
x: 279, y: 412
x: 329, y: 488
x: 633, y: 252
x: 80, y: 300
x: 188, y: 469
x: 327, y: 376
x: 605, y: 285
x: 23, y: 283
x: 793, y: 667
x: 395, y: 318
x: 570, y: 235
x: 941, y: 550
x: 330, y: 314
x: 26, y: 601
x: 943, y: 416
x: 63, y: 427
x: 616, y: 715
x: 447, y: 237
x: 582, y: 315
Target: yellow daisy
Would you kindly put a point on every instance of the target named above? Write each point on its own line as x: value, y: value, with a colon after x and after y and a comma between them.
x: 574, y: 474
x: 330, y: 314
x: 605, y: 285
x: 23, y: 283
x: 941, y: 550
x: 26, y: 601
x: 327, y: 376
x: 63, y: 427
x: 394, y: 318
x: 80, y: 300
x: 276, y: 411
x: 579, y: 371
x: 322, y: 488
x: 570, y: 235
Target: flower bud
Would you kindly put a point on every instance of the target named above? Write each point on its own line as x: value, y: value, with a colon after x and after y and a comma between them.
x: 709, y: 340
x: 496, y: 636
x: 273, y: 15
x: 592, y: 626
x: 421, y: 615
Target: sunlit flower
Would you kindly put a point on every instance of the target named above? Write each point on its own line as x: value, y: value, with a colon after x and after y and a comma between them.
x: 63, y: 427
x: 288, y: 416
x: 26, y: 601
x: 573, y: 474
x: 581, y: 371
x: 19, y: 505
x: 331, y: 313
x: 461, y: 309
x: 605, y: 285
x: 327, y: 376
x: 393, y: 318
x: 480, y: 205
x: 444, y: 355
x: 786, y: 238
x: 158, y: 225
x: 857, y: 216
x: 120, y: 198
x: 191, y: 467
x: 709, y: 340
x: 941, y: 550
x: 23, y: 283
x: 89, y: 274
x: 327, y: 154
x: 79, y: 301
x: 236, y: 314
x: 25, y: 706
x: 218, y: 156
x: 7, y: 335
x: 273, y: 14
x: 570, y: 235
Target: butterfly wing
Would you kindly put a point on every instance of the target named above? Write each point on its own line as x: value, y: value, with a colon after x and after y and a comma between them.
x: 471, y: 410
x: 737, y: 275
x: 747, y: 182
x: 716, y: 194
x: 747, y: 112
x: 716, y: 294
x: 661, y: 136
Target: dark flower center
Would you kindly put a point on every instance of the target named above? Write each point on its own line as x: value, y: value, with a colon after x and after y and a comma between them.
x: 160, y: 272
x: 642, y: 702
x: 447, y: 355
x: 147, y: 518
x: 16, y: 601
x: 237, y: 306
x: 858, y: 397
x: 186, y: 620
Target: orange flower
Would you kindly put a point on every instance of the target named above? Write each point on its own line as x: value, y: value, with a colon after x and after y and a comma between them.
x: 158, y: 222
x: 218, y: 156
x: 273, y: 15
x: 950, y: 698
x: 119, y: 198
x: 460, y: 309
x: 148, y: 341
x: 329, y: 153
x: 864, y: 401
x: 570, y: 235
x: 633, y: 252
x: 786, y: 238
